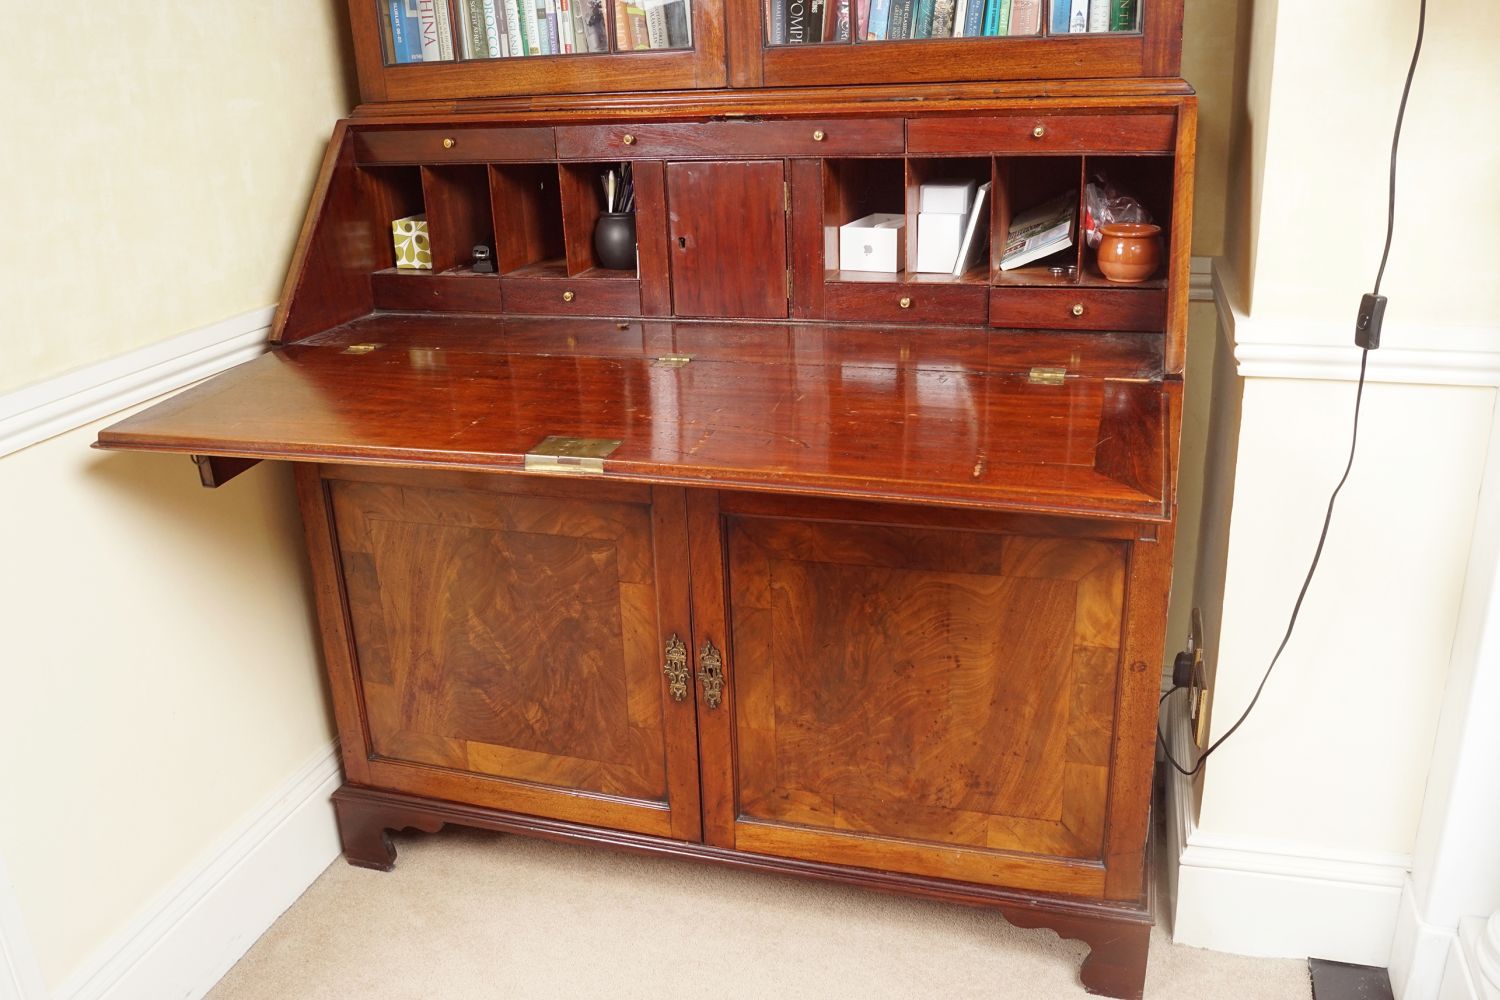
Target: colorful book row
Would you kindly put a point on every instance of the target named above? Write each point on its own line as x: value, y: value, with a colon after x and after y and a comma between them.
x: 797, y: 22
x: 422, y: 30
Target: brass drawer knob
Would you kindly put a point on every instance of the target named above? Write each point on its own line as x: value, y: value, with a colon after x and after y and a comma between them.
x: 568, y: 297
x: 905, y: 302
x: 1077, y: 309
x: 819, y: 135
x: 628, y: 139
x: 1038, y: 131
x: 449, y: 143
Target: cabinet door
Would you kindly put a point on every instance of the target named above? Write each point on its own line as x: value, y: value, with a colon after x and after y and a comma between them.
x: 508, y: 641
x: 931, y: 698
x: 728, y: 238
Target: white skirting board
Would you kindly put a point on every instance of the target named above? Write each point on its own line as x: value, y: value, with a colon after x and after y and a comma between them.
x: 1252, y: 898
x: 184, y: 942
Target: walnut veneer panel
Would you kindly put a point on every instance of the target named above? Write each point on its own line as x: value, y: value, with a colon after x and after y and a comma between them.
x: 509, y: 636
x: 928, y: 687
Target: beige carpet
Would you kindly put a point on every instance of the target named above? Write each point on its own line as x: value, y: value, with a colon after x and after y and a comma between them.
x: 469, y: 914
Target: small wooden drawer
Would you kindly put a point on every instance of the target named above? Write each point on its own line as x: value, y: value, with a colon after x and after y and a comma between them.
x: 1042, y: 134
x: 723, y: 140
x: 572, y: 296
x: 424, y: 291
x: 452, y: 145
x: 1140, y: 310
x: 904, y: 302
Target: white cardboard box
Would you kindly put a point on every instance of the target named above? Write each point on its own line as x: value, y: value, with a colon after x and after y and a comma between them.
x: 874, y: 243
x: 953, y: 198
x: 939, y: 236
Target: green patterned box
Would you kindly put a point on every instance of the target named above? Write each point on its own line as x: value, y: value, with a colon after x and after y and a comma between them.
x: 413, y: 250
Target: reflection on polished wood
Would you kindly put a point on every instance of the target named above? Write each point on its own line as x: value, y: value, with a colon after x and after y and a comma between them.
x: 877, y: 415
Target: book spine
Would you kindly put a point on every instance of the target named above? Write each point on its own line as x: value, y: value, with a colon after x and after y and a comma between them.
x: 515, y: 35
x: 921, y: 19
x: 860, y: 30
x: 1122, y: 17
x: 398, y: 32
x: 656, y: 23
x: 796, y: 22
x: 427, y: 30
x: 554, y: 34
x: 1099, y: 11
x: 476, y: 40
x: 1057, y: 24
x: 639, y: 38
x: 960, y: 18
x: 942, y: 19
x: 565, y: 26
x: 1005, y: 9
x: 974, y: 19
x: 595, y: 30
x: 529, y: 28
x: 817, y: 12
x: 880, y: 18
x: 445, y: 31
x: 1078, y: 16
x: 1025, y: 17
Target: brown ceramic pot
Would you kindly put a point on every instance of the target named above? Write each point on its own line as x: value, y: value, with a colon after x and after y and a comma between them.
x: 1129, y: 252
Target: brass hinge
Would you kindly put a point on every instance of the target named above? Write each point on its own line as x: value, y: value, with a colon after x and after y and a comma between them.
x: 1047, y: 376
x: 673, y: 360
x: 557, y: 453
x: 361, y: 348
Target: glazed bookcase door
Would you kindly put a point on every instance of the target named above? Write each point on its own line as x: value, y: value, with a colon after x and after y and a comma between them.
x: 689, y: 55
x: 833, y: 45
x: 515, y: 645
x: 924, y: 698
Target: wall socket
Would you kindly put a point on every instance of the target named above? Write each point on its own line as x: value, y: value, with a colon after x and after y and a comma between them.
x: 1188, y: 672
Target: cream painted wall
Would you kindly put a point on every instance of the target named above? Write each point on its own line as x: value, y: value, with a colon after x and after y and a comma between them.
x: 158, y: 658
x: 160, y: 157
x: 1210, y: 44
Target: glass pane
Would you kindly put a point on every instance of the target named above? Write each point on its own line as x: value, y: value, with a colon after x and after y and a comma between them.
x: 899, y: 20
x: 653, y: 24
x: 417, y: 31
x: 1078, y: 17
x: 500, y: 29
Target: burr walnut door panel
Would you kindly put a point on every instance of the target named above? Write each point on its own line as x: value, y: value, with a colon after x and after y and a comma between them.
x: 727, y: 238
x: 921, y: 699
x: 510, y: 639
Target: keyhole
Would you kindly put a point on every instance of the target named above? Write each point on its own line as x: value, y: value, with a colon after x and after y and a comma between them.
x: 682, y: 242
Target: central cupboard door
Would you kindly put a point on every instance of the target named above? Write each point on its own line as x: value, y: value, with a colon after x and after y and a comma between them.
x: 510, y: 637
x: 934, y: 698
x: 727, y: 238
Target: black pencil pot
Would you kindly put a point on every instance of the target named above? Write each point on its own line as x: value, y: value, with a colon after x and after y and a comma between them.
x: 614, y: 240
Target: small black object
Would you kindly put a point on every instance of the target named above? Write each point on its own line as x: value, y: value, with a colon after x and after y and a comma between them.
x: 1182, y: 670
x: 614, y: 240
x: 484, y: 260
x: 1367, y: 326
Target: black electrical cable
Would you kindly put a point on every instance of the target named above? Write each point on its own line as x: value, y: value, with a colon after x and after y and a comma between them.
x: 1359, y: 394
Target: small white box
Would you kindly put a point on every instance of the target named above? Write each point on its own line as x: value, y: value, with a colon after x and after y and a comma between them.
x: 953, y: 198
x: 875, y: 243
x: 939, y: 235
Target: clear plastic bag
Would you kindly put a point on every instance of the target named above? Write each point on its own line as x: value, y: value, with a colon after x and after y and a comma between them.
x: 1105, y: 203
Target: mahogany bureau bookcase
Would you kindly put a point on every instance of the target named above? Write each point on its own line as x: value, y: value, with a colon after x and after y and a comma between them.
x: 739, y: 556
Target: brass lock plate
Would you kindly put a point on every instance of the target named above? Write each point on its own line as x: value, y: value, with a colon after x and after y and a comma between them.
x: 560, y: 453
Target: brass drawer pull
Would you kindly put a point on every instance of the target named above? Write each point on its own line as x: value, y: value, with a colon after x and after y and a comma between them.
x: 676, y: 669
x: 905, y: 302
x: 628, y: 139
x: 711, y: 674
x: 449, y: 143
x: 1038, y: 131
x: 1077, y: 309
x: 567, y: 296
x: 818, y: 135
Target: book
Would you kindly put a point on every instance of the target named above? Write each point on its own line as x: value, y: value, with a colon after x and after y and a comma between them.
x: 973, y: 240
x: 900, y: 19
x: 656, y: 23
x: 1099, y: 11
x: 992, y: 17
x: 839, y: 20
x: 548, y: 11
x: 445, y: 31
x: 639, y: 39
x: 427, y: 30
x: 1078, y: 16
x: 817, y: 13
x: 1025, y: 17
x: 1058, y: 25
x: 796, y: 22
x: 943, y: 16
x: 776, y: 22
x: 1041, y: 231
x: 565, y: 26
x: 1122, y: 16
x: 960, y: 17
x: 406, y: 41
x: 476, y: 40
x: 679, y: 24
x: 921, y: 19
x: 623, y: 41
x: 974, y: 19
x: 515, y: 26
x: 880, y: 17
x: 860, y: 29
x: 530, y: 29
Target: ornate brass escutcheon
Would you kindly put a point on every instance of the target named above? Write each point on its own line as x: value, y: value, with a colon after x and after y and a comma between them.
x: 676, y: 669
x: 711, y: 673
